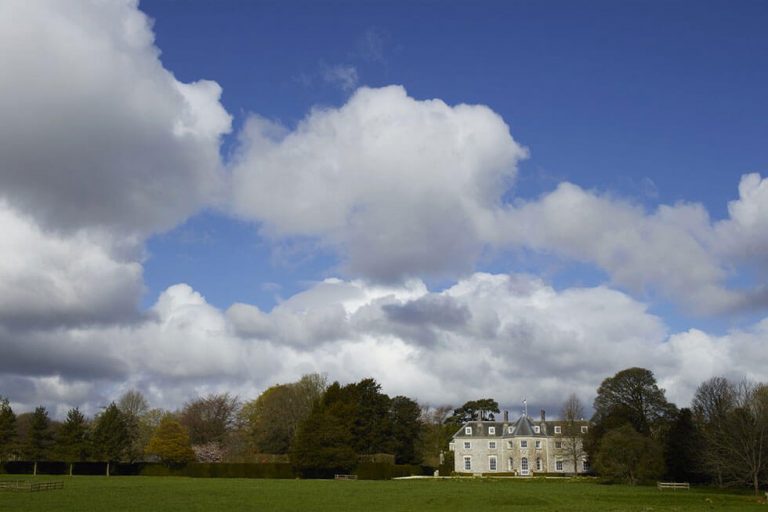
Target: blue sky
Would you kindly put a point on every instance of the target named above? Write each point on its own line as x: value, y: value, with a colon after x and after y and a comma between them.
x: 656, y: 102
x: 404, y: 190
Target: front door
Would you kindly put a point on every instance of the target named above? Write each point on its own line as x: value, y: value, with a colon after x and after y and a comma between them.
x: 524, y: 466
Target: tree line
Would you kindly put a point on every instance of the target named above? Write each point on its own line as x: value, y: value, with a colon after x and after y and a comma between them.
x: 722, y: 438
x: 315, y: 426
x: 636, y: 434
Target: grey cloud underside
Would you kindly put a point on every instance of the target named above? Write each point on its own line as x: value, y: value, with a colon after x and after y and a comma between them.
x: 488, y: 335
x: 41, y: 353
x: 95, y: 132
x: 442, y: 312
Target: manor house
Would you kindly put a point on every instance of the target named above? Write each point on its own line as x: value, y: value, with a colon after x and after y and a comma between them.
x: 523, y: 447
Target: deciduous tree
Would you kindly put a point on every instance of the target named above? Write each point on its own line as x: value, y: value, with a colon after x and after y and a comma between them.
x: 572, y: 414
x: 626, y: 455
x: 272, y: 419
x: 712, y: 404
x: 210, y: 418
x: 734, y: 420
x: 133, y: 405
x: 634, y: 394
x: 436, y: 433
x: 170, y: 443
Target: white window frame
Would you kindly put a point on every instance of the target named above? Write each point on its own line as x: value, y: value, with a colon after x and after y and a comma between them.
x: 467, y: 445
x: 585, y: 466
x: 467, y: 463
x: 523, y: 443
x: 524, y: 468
x: 558, y: 465
x: 510, y: 430
x: 468, y: 431
x: 537, y: 429
x: 538, y: 444
x: 584, y: 429
x: 510, y: 464
x: 558, y: 429
x: 491, y: 431
x: 492, y: 463
x: 491, y: 445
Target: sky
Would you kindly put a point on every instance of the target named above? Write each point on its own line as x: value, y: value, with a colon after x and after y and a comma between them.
x: 461, y: 200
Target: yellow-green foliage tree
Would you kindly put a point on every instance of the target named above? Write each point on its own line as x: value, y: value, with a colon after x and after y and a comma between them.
x: 171, y: 443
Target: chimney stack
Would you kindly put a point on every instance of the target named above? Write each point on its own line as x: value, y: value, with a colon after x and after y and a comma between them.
x: 543, y: 415
x: 506, y: 416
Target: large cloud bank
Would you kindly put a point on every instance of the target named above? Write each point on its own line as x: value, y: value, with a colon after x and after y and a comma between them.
x: 403, y: 188
x: 508, y: 336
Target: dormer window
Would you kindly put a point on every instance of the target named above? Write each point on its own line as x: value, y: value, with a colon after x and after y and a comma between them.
x: 558, y: 429
x: 491, y: 431
x: 510, y: 430
x: 468, y: 431
x: 537, y: 429
x: 584, y: 430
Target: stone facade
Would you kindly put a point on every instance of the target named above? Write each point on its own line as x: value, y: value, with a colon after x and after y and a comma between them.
x: 523, y: 447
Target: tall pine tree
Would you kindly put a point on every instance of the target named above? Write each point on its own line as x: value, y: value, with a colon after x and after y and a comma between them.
x: 72, y: 439
x: 7, y: 429
x: 110, y: 435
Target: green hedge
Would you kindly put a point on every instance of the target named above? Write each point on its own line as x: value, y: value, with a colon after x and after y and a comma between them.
x: 270, y: 470
x: 275, y: 470
x: 278, y: 470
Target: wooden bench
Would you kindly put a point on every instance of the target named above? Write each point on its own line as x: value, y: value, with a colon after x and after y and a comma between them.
x: 673, y: 485
x: 345, y: 477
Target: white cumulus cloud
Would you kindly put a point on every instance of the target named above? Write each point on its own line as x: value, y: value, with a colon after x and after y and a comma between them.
x: 400, y: 187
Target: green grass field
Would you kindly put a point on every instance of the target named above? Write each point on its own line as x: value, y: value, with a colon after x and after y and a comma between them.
x: 158, y: 494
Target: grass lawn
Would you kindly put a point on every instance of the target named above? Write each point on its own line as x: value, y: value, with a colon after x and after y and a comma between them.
x: 158, y: 494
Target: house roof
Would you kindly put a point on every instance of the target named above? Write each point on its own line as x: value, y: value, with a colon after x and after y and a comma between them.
x: 523, y: 427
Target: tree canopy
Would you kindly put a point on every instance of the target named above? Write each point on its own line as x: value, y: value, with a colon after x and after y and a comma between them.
x: 632, y: 396
x: 626, y: 455
x: 72, y: 441
x: 210, y: 419
x: 110, y: 434
x: 40, y: 437
x: 475, y: 410
x: 7, y: 428
x: 272, y: 419
x: 170, y: 443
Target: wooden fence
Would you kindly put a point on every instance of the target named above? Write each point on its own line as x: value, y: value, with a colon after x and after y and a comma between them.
x: 27, y: 486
